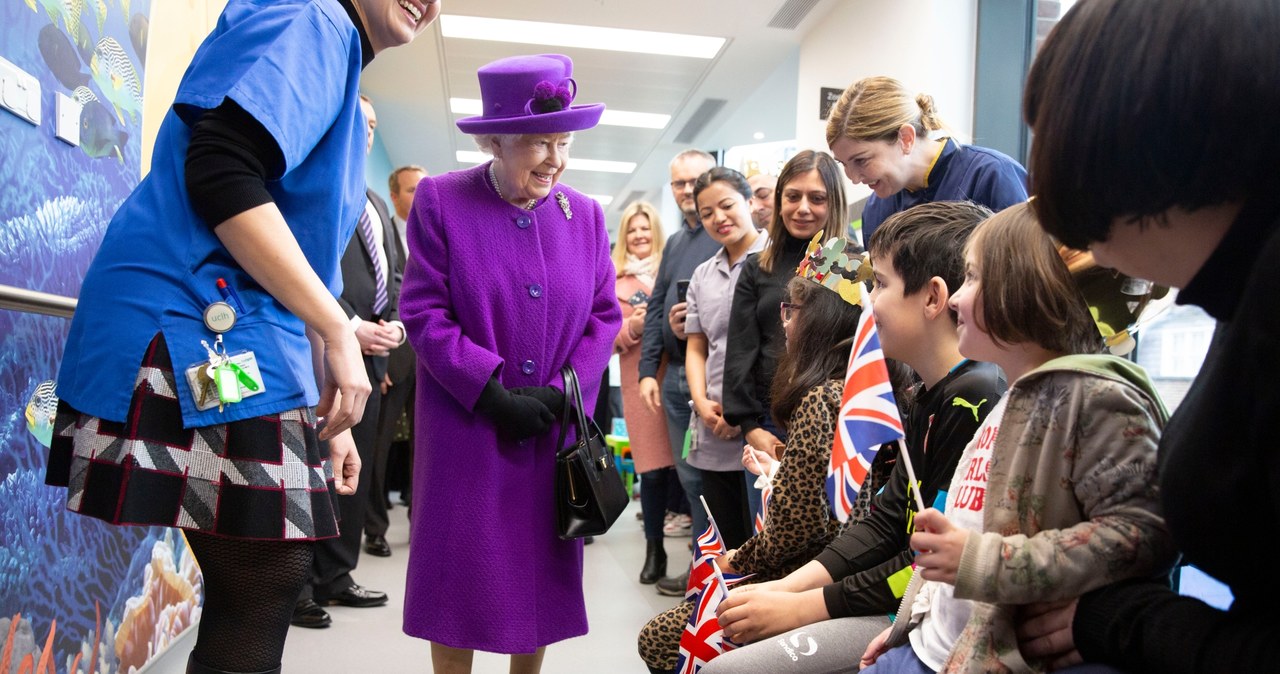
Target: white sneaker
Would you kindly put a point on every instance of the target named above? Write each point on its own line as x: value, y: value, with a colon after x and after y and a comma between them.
x: 679, y: 524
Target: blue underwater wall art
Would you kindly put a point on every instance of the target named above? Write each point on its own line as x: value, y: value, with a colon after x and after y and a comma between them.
x: 76, y: 595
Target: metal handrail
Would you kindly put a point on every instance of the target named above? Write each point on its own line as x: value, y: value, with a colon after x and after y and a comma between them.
x: 36, y: 302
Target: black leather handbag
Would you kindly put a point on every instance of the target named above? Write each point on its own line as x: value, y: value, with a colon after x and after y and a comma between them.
x: 589, y: 491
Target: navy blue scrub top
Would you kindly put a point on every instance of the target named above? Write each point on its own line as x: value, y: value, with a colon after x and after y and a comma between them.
x: 960, y: 173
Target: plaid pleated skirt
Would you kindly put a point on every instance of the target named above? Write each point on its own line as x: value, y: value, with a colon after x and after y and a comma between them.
x: 263, y: 478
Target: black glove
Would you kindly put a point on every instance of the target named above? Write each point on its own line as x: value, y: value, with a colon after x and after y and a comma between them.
x: 550, y: 396
x: 515, y: 416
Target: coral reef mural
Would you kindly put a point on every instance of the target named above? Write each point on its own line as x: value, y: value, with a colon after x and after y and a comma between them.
x: 76, y: 595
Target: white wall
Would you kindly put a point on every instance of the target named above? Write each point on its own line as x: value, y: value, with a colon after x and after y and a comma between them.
x: 928, y: 45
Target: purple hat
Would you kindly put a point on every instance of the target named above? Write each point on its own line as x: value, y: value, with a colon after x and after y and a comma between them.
x: 530, y: 94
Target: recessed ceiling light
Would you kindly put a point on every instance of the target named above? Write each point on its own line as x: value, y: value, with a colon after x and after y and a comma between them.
x: 604, y: 199
x: 643, y: 120
x: 759, y: 135
x: 584, y: 37
x: 575, y: 164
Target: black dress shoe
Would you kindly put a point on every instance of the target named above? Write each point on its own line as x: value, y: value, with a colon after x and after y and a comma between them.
x: 355, y: 597
x: 673, y: 587
x: 307, y: 613
x: 377, y: 545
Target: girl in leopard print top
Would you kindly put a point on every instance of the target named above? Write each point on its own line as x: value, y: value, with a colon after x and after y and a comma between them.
x: 806, y: 393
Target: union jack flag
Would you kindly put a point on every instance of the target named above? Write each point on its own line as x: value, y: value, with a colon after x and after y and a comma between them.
x: 766, y: 494
x: 868, y: 418
x: 765, y: 482
x: 703, y: 639
x: 706, y: 547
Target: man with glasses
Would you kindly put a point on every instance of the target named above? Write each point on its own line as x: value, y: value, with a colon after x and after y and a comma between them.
x: 687, y: 248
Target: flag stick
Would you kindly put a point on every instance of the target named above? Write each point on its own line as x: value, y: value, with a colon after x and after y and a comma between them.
x: 767, y: 480
x: 708, y: 510
x: 911, y: 475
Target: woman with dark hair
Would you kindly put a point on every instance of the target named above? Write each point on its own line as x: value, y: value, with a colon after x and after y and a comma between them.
x: 881, y: 133
x: 723, y: 197
x: 809, y: 199
x: 818, y: 326
x: 1158, y: 156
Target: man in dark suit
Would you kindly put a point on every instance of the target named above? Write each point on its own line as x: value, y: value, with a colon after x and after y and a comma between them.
x: 371, y: 285
x: 397, y: 386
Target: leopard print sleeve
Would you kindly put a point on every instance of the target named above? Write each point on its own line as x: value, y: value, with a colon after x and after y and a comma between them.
x: 799, y: 523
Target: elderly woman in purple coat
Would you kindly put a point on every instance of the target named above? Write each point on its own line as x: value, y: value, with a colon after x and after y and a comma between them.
x: 508, y: 280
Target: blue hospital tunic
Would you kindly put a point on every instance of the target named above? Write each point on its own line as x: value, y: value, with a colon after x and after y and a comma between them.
x: 293, y: 65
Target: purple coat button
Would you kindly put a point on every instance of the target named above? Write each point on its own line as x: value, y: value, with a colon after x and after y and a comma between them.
x: 527, y: 367
x: 535, y: 290
x: 523, y: 222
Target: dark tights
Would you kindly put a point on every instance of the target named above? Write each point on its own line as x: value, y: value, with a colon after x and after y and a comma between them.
x: 655, y: 498
x: 250, y: 588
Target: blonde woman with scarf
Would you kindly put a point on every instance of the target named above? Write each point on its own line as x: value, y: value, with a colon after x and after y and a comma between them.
x: 636, y: 255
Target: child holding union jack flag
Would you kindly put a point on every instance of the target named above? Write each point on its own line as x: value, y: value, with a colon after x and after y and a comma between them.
x: 817, y: 324
x: 1056, y: 494
x: 841, y: 600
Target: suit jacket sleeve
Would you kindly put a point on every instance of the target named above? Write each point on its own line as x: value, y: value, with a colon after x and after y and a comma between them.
x: 651, y: 347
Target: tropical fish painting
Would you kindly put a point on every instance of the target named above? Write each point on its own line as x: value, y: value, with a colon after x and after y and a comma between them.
x: 76, y: 594
x: 117, y: 79
x: 62, y: 57
x: 70, y: 13
x: 139, y: 25
x: 100, y: 132
x: 41, y: 410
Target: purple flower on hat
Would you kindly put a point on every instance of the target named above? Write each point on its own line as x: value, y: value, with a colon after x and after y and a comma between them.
x: 551, y: 97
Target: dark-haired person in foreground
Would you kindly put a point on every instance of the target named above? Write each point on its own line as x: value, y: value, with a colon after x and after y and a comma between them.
x: 1154, y: 155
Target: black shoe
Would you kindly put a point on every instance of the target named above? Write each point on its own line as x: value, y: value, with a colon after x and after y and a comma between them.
x: 307, y: 613
x: 673, y: 587
x: 655, y: 563
x: 588, y: 540
x: 377, y: 545
x: 355, y: 597
x: 196, y: 667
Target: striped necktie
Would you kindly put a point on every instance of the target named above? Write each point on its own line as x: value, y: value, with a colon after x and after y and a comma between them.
x: 375, y: 254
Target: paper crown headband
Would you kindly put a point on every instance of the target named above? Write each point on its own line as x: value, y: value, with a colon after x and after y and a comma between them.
x: 832, y: 268
x: 1116, y: 301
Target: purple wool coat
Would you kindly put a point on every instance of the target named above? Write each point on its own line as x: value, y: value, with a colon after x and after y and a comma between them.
x: 493, y: 288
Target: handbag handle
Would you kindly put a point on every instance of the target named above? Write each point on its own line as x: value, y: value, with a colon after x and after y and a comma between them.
x: 572, y: 394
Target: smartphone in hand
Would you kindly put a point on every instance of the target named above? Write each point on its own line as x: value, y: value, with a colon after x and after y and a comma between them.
x: 637, y: 299
x: 682, y: 289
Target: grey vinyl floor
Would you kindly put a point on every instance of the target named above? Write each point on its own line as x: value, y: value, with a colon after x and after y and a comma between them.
x: 371, y: 640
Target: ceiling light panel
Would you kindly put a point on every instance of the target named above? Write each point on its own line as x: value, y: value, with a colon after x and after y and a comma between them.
x: 582, y: 37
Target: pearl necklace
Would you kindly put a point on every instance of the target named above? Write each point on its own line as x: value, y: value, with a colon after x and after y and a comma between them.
x: 493, y: 180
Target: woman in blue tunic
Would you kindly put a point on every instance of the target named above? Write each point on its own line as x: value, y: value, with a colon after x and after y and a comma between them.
x: 879, y: 131
x: 207, y: 329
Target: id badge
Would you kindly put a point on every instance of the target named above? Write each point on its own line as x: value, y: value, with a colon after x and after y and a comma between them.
x: 235, y: 377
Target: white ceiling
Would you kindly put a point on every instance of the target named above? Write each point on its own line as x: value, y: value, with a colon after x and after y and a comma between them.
x: 411, y: 86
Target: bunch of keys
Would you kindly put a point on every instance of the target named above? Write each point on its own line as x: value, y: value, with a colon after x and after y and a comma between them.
x: 222, y: 377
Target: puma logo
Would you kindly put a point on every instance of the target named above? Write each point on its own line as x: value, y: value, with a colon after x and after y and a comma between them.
x: 961, y: 402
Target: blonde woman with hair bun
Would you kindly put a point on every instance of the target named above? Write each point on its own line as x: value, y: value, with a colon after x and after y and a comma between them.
x: 881, y: 134
x: 636, y: 255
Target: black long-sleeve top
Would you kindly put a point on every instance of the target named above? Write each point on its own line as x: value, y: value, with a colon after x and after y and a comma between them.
x: 755, y: 335
x: 231, y: 156
x: 1219, y: 482
x: 864, y: 556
